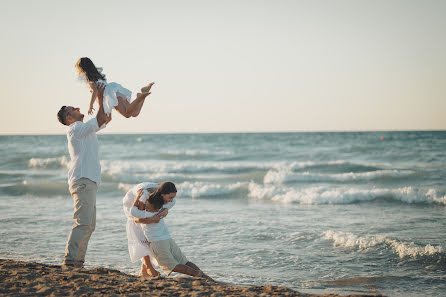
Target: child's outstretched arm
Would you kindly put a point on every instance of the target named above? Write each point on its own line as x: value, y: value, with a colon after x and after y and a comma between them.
x: 94, y: 95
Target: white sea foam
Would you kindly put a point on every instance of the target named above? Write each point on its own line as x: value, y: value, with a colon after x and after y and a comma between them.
x: 125, y: 187
x: 402, y: 249
x: 342, y: 195
x: 199, y: 152
x: 286, y: 174
x: 48, y: 162
x: 200, y: 189
x: 433, y: 196
x: 117, y: 168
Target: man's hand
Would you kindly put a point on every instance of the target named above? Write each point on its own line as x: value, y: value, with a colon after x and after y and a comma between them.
x: 101, y: 117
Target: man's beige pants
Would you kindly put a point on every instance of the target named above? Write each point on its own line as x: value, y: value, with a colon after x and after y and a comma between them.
x: 83, y: 192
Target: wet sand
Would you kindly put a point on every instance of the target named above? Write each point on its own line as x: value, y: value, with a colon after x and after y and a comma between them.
x: 33, y: 279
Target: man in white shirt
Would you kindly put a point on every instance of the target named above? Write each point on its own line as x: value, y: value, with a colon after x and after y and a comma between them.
x: 84, y: 176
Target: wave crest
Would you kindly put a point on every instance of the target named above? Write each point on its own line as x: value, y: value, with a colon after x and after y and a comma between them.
x: 285, y: 175
x: 56, y: 162
x: 200, y: 189
x: 402, y: 249
x: 324, y: 195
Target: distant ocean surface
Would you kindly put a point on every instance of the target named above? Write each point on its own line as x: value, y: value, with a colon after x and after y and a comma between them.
x: 317, y: 212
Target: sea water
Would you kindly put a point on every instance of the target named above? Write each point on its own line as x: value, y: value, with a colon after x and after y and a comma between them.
x: 339, y: 213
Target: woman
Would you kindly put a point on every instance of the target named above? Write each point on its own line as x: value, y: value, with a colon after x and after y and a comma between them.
x: 164, y: 249
x: 137, y: 242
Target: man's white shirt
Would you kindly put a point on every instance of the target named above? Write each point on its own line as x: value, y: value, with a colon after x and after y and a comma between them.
x: 84, y: 151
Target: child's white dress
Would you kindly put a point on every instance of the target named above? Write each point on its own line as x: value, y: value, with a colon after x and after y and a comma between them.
x: 111, y: 92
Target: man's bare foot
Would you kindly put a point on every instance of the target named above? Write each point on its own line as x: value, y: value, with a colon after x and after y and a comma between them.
x: 147, y: 88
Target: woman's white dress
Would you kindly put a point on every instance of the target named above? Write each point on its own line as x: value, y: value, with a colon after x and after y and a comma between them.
x: 137, y: 242
x: 112, y: 91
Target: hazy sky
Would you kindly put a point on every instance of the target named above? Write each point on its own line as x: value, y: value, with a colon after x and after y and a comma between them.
x: 228, y: 66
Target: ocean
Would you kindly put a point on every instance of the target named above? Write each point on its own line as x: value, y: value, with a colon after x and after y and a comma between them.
x: 347, y: 212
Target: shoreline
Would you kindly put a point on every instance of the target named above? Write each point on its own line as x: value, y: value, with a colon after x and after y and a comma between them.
x: 20, y: 278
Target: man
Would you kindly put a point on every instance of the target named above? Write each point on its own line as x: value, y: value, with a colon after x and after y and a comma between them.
x: 84, y: 175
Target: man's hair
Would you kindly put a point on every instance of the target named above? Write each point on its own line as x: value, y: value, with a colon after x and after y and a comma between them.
x: 62, y: 114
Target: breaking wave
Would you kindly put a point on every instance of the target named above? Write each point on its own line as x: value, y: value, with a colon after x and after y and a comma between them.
x: 346, y: 195
x: 281, y: 176
x: 200, y: 189
x: 54, y: 163
x: 367, y: 242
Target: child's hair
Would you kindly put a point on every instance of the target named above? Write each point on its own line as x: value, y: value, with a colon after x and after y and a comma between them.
x: 163, y: 188
x: 85, y: 65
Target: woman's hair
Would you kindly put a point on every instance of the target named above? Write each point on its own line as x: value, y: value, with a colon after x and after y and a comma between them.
x: 85, y: 65
x: 163, y: 188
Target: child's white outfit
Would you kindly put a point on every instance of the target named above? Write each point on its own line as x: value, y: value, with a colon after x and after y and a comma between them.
x: 111, y: 92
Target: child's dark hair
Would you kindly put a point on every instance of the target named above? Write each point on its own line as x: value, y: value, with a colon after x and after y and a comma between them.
x: 163, y: 188
x: 85, y: 65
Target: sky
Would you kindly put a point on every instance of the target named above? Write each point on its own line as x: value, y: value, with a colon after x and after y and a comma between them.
x: 229, y: 66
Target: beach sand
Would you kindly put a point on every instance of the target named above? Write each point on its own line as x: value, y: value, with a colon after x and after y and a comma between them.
x: 34, y: 279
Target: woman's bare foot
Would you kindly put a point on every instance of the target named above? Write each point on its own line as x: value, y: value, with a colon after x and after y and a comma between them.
x: 152, y: 272
x: 149, y: 272
x: 143, y: 271
x: 147, y: 88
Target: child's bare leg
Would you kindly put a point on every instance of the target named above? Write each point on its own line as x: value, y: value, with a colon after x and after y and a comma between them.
x: 192, y: 265
x: 184, y: 269
x: 138, y: 108
x: 136, y: 105
x: 122, y: 107
x: 145, y: 89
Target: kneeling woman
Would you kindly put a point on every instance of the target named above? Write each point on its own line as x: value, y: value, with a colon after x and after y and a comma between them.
x: 164, y: 249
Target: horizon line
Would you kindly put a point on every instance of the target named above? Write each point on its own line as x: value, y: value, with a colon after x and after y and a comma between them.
x: 238, y: 132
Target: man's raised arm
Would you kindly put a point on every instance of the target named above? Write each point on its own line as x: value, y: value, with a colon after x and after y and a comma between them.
x: 101, y: 117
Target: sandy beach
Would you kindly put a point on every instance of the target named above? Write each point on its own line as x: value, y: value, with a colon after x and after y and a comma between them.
x: 35, y: 279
